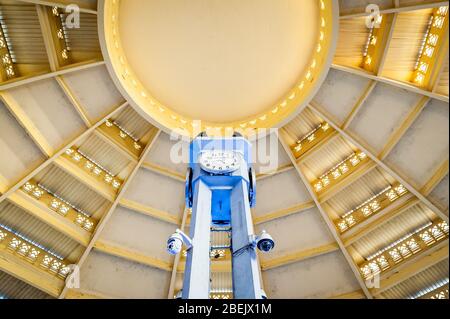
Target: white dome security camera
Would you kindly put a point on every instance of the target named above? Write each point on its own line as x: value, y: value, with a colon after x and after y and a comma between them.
x: 265, y: 242
x: 175, y: 242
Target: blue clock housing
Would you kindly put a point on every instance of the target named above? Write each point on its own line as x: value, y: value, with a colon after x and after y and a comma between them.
x: 220, y: 184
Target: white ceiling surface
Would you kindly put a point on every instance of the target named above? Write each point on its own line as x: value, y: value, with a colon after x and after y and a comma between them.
x: 383, y: 111
x: 429, y: 134
x: 331, y: 99
x: 98, y: 99
x: 416, y: 157
x: 319, y: 277
x: 19, y: 154
x: 47, y: 106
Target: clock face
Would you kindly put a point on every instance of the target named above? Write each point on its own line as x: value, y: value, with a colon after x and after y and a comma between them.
x: 220, y: 162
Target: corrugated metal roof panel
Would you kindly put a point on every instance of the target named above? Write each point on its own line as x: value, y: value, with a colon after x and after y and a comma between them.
x: 85, y: 38
x: 420, y: 283
x: 73, y: 191
x: 104, y: 154
x: 358, y: 192
x: 13, y: 288
x: 132, y: 122
x: 328, y: 156
x: 37, y: 231
x: 303, y: 123
x: 22, y: 30
x: 388, y: 233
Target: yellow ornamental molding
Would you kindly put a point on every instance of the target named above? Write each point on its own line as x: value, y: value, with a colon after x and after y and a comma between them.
x: 290, y: 104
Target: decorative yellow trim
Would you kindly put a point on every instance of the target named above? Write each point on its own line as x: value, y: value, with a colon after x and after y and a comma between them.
x: 288, y: 106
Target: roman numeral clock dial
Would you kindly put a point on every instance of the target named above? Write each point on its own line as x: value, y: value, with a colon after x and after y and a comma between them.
x: 220, y: 162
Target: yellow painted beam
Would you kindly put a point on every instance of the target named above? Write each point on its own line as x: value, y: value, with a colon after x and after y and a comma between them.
x: 437, y: 177
x: 86, y: 294
x: 358, y: 105
x: 25, y: 80
x: 48, y: 216
x: 402, y: 85
x: 403, y: 128
x: 279, y: 170
x: 84, y: 177
x: 358, y: 172
x: 114, y: 143
x: 283, y: 212
x: 164, y: 171
x: 415, y: 266
x: 350, y: 295
x: 150, y: 211
x: 396, y: 9
x: 80, y: 109
x: 47, y: 31
x: 61, y: 151
x: 95, y: 238
x: 383, y: 165
x: 298, y: 256
x: 22, y: 117
x: 126, y: 253
x: 30, y: 274
x: 283, y: 140
x: 377, y: 221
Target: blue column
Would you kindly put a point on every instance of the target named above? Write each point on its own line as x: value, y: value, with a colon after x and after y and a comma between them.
x: 197, y: 273
x: 246, y: 279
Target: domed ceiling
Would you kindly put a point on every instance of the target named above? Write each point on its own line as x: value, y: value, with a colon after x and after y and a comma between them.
x: 358, y: 198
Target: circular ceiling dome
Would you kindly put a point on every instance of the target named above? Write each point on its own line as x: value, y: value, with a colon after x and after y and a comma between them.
x: 211, y: 65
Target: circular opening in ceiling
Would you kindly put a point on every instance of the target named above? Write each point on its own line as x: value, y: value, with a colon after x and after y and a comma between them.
x: 224, y: 63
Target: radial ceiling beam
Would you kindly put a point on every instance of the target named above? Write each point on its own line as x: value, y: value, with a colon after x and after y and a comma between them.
x: 80, y: 109
x: 400, y: 131
x: 167, y: 172
x: 131, y: 255
x: 115, y: 143
x: 28, y: 273
x: 415, y: 266
x: 298, y: 256
x: 86, y: 294
x: 383, y: 165
x: 296, y: 209
x: 358, y: 294
x: 360, y: 171
x: 22, y: 117
x: 377, y: 221
x: 51, y: 218
x: 49, y: 37
x: 25, y: 80
x: 357, y: 107
x: 438, y: 62
x: 398, y: 84
x: 283, y: 138
x: 114, y: 205
x: 280, y: 170
x: 385, y: 43
x: 397, y: 9
x: 56, y: 155
x: 149, y: 211
x: 437, y: 177
x: 89, y: 180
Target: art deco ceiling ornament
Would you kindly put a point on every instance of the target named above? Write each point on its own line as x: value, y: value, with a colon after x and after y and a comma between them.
x: 218, y: 65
